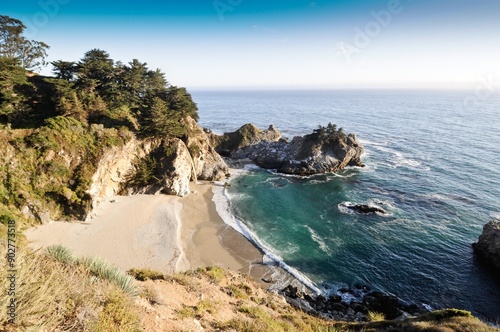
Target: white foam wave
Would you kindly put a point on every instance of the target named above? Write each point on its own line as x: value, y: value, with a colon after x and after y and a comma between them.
x: 251, y: 167
x: 275, y: 172
x: 495, y: 215
x: 344, y: 207
x: 368, y: 142
x: 381, y: 202
x: 437, y: 197
x: 400, y: 160
x: 316, y: 238
x: 222, y: 204
x: 426, y: 306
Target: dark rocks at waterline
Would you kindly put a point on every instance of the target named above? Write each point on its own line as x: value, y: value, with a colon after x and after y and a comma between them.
x: 487, y: 247
x: 323, y: 151
x: 364, y: 301
x: 363, y: 208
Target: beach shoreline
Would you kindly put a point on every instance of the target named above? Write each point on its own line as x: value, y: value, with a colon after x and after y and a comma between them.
x: 165, y: 233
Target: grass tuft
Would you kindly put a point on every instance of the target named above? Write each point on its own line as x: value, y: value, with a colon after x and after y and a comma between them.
x: 61, y: 254
x: 373, y: 316
x: 104, y: 270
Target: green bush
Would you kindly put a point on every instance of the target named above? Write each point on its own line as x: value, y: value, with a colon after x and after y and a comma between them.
x: 117, y: 315
x: 145, y: 274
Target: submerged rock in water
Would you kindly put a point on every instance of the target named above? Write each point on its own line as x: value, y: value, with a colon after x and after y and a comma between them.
x: 363, y: 208
x: 488, y: 245
x: 325, y: 150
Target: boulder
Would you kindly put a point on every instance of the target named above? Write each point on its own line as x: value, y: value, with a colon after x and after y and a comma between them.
x: 387, y: 304
x: 488, y: 245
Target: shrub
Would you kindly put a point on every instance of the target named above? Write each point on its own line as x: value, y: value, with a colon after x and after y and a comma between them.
x: 117, y: 315
x: 239, y: 291
x: 145, y: 274
x: 446, y: 314
x: 215, y: 273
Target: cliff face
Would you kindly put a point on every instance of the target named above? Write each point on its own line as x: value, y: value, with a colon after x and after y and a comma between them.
x: 488, y: 245
x: 306, y: 155
x: 170, y: 165
x: 208, y: 164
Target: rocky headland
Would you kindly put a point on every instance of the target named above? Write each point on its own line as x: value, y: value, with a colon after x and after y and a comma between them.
x: 326, y: 150
x: 488, y: 245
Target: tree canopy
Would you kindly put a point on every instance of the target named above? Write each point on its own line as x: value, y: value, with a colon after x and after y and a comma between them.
x: 30, y: 54
x: 95, y: 89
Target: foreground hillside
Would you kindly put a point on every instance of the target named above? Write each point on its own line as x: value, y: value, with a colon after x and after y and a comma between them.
x: 57, y: 292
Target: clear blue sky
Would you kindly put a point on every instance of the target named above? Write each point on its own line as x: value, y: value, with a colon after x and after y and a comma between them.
x: 278, y: 43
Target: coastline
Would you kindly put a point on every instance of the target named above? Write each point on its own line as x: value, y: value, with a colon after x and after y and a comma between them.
x: 165, y: 233
x: 207, y: 240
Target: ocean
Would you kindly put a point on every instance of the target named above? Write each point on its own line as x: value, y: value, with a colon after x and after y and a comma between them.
x: 432, y: 162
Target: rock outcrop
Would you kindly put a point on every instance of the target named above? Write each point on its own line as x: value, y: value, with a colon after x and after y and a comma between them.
x: 170, y: 163
x: 208, y: 164
x: 488, y: 245
x: 352, y: 305
x: 324, y: 151
x: 117, y: 167
x: 246, y: 136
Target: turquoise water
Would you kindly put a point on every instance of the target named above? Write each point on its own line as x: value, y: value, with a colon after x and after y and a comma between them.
x: 432, y: 164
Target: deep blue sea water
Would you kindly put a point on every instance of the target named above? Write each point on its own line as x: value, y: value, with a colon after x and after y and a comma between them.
x: 431, y: 162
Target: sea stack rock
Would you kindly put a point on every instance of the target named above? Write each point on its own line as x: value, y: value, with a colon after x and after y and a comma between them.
x: 488, y: 245
x: 326, y: 150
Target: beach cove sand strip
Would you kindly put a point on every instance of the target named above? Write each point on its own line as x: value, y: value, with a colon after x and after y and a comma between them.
x: 164, y: 233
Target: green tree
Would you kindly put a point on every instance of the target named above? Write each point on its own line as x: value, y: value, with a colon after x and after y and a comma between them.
x: 156, y: 83
x: 13, y: 83
x: 161, y: 121
x: 96, y: 72
x: 31, y: 54
x: 134, y: 78
x: 65, y: 70
x: 180, y: 100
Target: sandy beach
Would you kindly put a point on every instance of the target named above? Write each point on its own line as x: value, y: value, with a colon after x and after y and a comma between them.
x: 164, y: 233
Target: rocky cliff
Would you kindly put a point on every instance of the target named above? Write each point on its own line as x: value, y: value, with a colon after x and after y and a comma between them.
x: 325, y: 150
x: 488, y: 245
x: 155, y: 166
x: 208, y: 164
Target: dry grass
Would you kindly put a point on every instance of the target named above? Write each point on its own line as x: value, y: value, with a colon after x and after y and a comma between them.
x: 65, y: 294
x: 56, y: 296
x: 375, y: 316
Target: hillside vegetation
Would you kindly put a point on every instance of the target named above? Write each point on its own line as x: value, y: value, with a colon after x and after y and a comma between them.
x: 54, y: 130
x: 59, y: 292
